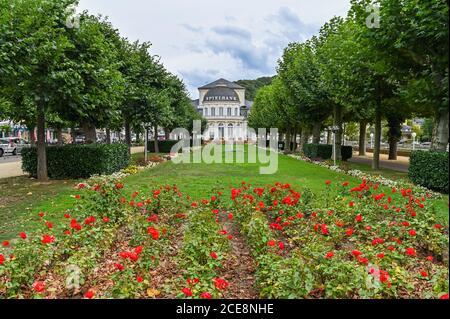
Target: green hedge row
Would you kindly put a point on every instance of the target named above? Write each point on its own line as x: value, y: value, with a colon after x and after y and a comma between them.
x: 166, y: 146
x: 78, y: 161
x: 429, y: 169
x: 325, y: 151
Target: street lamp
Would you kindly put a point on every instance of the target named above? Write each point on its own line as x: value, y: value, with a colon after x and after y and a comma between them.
x: 334, y: 130
x: 371, y: 140
x: 147, y: 127
x: 414, y: 134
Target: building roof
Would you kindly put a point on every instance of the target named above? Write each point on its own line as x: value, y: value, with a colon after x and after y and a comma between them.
x: 222, y: 83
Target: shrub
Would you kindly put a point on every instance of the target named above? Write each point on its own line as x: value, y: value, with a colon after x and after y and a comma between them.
x: 325, y: 151
x: 429, y: 169
x: 164, y: 146
x: 346, y: 152
x: 78, y: 161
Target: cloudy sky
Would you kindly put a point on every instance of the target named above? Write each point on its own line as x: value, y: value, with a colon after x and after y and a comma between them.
x: 203, y: 40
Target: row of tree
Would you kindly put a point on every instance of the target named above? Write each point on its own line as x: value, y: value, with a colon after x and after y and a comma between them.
x: 59, y: 70
x: 356, y: 70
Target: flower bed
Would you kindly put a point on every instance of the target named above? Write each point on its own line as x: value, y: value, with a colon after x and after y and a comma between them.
x: 349, y: 241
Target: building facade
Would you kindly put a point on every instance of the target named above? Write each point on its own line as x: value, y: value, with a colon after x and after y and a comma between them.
x: 222, y: 103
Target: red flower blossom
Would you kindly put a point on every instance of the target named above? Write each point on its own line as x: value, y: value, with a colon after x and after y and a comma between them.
x: 213, y: 255
x: 38, y: 286
x: 327, y: 182
x: 220, y: 283
x: 349, y: 232
x: 119, y: 185
x: 391, y: 248
x: 66, y: 215
x: 443, y: 297
x: 410, y: 251
x: 363, y: 261
x: 205, y: 295
x: 281, y: 245
x: 154, y: 232
x: 275, y: 226
x: 138, y: 249
x: 380, y: 255
x: 223, y: 232
x: 430, y: 258
x: 23, y: 235
x: 351, y: 204
x: 194, y: 205
x: 345, y: 183
x: 89, y: 294
x: 119, y: 267
x: 2, y: 259
x: 359, y: 218
x: 412, y: 233
x: 271, y: 243
x: 47, y: 239
x: 139, y: 279
x: 424, y: 273
x: 356, y: 253
x: 187, y: 292
x: 5, y: 243
x: 41, y: 214
x: 438, y: 226
x: 329, y: 254
x: 230, y: 216
x: 105, y: 219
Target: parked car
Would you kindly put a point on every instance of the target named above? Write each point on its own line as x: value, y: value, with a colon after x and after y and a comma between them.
x: 12, y: 145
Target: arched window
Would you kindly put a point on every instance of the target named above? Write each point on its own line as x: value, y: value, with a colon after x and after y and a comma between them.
x: 230, y: 131
x: 221, y: 131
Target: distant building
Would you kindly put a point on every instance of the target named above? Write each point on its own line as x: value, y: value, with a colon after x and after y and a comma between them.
x: 224, y: 106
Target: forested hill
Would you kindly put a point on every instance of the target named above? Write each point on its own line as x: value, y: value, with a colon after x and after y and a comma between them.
x: 252, y: 86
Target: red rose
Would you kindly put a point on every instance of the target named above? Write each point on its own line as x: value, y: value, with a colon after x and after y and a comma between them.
x: 205, y: 295
x: 38, y: 286
x: 412, y: 232
x: 154, y: 232
x: 23, y: 235
x: 230, y: 216
x: 119, y: 267
x: 430, y: 258
x: 424, y: 273
x: 356, y: 253
x: 381, y: 255
x: 359, y: 218
x: 329, y: 254
x: 139, y: 279
x: 89, y: 294
x: 2, y: 259
x: 66, y: 215
x: 349, y: 232
x: 410, y: 251
x: 41, y: 214
x: 271, y: 243
x: 5, y: 243
x: 281, y: 245
x: 187, y: 292
x: 213, y: 255
x: 105, y: 219
x: 47, y: 239
x: 221, y: 284
x: 327, y: 182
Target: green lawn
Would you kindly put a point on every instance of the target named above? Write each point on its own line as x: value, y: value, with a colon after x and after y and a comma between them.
x: 198, y: 180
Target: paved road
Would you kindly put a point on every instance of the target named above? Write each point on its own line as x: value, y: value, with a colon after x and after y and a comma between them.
x: 400, y: 165
x: 11, y: 166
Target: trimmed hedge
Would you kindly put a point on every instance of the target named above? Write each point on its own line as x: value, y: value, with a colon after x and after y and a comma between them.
x: 164, y: 146
x: 325, y: 151
x: 78, y: 161
x: 346, y: 152
x: 429, y: 169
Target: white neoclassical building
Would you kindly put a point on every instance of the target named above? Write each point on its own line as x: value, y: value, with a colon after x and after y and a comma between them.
x: 224, y: 106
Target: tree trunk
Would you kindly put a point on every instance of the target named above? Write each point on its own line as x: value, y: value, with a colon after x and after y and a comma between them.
x: 304, y: 137
x: 377, y: 138
x: 59, y: 136
x: 32, y: 136
x: 42, y: 174
x: 316, y: 132
x: 128, y: 134
x: 108, y: 136
x: 294, y: 139
x: 440, y: 137
x: 337, y: 121
x: 362, y: 138
x: 89, y: 133
x: 393, y: 149
x: 329, y: 135
x: 156, y: 139
x: 287, y: 141
x: 394, y: 134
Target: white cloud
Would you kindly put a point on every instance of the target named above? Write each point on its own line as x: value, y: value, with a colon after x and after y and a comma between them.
x: 202, y: 40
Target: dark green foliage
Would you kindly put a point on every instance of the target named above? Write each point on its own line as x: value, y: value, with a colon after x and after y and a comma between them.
x: 323, y: 151
x: 346, y: 152
x: 164, y: 146
x: 429, y: 169
x: 78, y: 161
x: 252, y: 86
